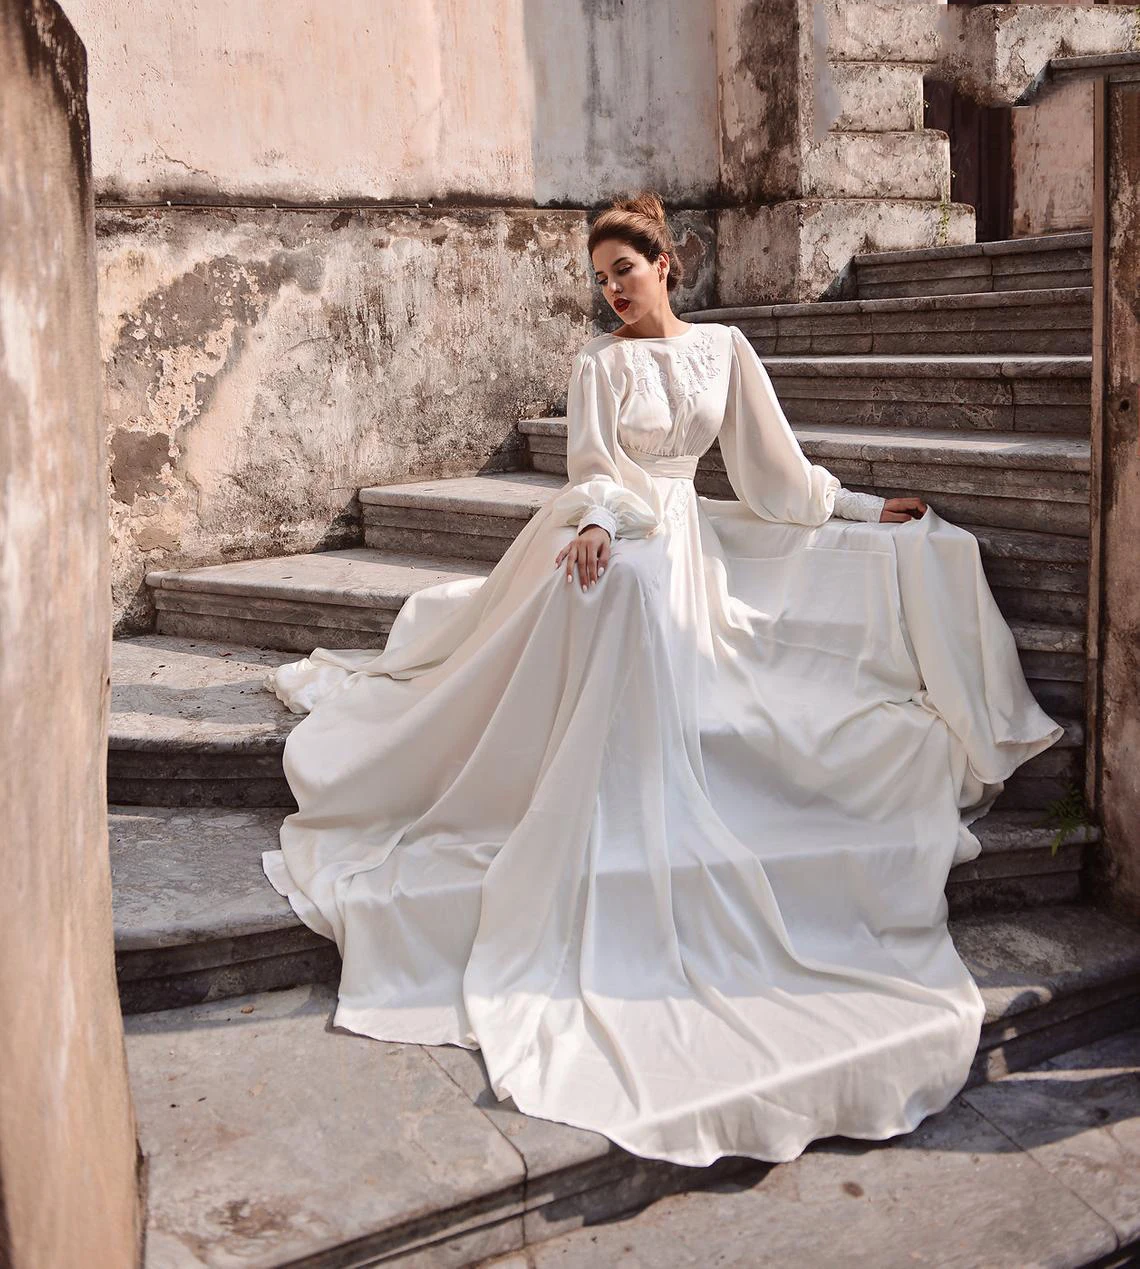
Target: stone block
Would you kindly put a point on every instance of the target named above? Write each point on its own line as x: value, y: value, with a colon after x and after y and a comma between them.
x: 878, y: 165
x: 875, y: 96
x: 797, y: 250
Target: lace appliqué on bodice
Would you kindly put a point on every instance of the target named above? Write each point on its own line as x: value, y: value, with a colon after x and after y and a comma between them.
x: 692, y: 370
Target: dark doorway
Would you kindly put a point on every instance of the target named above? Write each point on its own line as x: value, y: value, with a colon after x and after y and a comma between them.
x: 981, y: 167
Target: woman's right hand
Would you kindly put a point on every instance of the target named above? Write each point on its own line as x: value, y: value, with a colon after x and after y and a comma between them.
x: 590, y: 551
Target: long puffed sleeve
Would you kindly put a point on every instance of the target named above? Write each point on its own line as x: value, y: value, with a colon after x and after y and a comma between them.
x: 596, y: 492
x: 762, y: 458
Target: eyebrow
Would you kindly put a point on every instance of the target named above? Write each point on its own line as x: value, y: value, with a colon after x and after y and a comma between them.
x: 617, y: 261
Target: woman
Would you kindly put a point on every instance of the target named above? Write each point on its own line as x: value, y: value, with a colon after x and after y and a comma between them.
x: 668, y: 839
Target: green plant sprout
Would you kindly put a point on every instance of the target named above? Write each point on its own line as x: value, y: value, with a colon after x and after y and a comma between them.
x: 1066, y: 814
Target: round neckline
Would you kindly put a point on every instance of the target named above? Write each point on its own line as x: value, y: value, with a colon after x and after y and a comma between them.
x: 650, y: 339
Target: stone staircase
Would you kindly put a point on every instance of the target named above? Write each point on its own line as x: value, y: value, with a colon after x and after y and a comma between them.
x: 962, y: 374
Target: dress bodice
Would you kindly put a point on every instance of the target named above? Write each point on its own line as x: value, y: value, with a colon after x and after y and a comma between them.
x: 671, y: 391
x: 640, y: 412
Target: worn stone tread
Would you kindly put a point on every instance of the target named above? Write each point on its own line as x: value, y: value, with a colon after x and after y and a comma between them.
x: 901, y: 445
x: 193, y: 911
x: 1040, y: 1169
x: 1079, y: 240
x: 515, y: 494
x: 971, y: 301
x: 186, y: 696
x: 358, y: 577
x: 932, y: 365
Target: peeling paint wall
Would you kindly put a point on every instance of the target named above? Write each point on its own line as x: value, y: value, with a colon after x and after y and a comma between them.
x: 261, y: 365
x: 68, y: 1192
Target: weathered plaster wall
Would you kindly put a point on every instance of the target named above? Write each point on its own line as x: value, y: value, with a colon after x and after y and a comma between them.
x: 67, y: 1139
x: 262, y: 365
x: 1052, y: 163
x: 1052, y: 158
x: 538, y: 101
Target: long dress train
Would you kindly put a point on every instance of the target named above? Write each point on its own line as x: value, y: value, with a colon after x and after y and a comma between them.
x: 670, y: 851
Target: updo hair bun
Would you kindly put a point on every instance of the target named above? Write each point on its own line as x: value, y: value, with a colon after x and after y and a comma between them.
x: 646, y: 204
x: 640, y: 221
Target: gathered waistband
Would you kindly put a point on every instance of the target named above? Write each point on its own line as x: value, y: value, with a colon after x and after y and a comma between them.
x: 665, y: 464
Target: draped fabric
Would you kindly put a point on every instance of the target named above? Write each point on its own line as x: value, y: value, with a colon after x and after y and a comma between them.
x: 671, y: 851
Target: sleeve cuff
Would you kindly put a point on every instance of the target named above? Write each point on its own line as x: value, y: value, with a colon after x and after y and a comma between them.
x: 850, y: 505
x: 600, y: 516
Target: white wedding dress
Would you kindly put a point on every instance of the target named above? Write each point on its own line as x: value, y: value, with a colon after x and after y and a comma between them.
x: 671, y: 851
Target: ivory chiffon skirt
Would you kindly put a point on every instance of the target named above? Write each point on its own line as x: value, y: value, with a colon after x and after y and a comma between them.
x: 672, y: 851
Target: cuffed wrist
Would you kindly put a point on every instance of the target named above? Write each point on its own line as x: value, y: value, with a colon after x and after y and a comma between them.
x: 850, y: 505
x: 600, y: 516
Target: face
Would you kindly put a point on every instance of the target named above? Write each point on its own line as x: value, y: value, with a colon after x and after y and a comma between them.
x: 632, y: 285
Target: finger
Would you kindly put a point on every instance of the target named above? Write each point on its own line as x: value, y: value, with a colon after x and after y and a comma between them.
x: 603, y: 557
x: 571, y: 557
x: 592, y: 565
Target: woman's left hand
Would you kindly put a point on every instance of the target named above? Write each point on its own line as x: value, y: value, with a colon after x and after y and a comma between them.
x: 895, y: 510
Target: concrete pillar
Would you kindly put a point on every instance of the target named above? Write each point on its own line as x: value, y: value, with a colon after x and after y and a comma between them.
x: 823, y: 151
x: 68, y: 1186
x: 1113, y: 784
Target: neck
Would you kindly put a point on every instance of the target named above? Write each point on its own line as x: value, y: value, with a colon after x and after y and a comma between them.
x: 653, y: 326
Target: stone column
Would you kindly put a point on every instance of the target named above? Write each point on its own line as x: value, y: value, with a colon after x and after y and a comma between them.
x: 823, y: 152
x: 68, y: 1193
x: 1113, y: 783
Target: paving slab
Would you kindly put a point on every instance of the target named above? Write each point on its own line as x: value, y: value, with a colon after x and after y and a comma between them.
x: 1078, y: 1116
x: 272, y: 1138
x: 1003, y: 1178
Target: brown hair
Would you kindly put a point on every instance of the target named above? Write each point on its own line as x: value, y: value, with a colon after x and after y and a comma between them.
x: 639, y: 221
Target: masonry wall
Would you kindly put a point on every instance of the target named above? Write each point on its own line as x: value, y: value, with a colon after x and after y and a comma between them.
x: 67, y: 1139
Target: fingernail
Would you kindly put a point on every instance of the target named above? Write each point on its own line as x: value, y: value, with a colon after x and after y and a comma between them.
x: 601, y: 570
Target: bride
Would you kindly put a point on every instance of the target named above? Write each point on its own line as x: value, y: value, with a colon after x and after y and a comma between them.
x: 659, y: 814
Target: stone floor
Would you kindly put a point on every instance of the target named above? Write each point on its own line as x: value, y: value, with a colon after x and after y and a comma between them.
x: 273, y: 1138
x: 1040, y: 1169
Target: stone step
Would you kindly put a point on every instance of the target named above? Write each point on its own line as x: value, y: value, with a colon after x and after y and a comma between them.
x: 1039, y: 1168
x: 196, y: 920
x: 192, y: 726
x: 295, y: 603
x: 1018, y: 264
x: 251, y: 1160
x: 463, y: 517
x: 1022, y: 394
x: 327, y: 599
x: 1009, y: 480
x: 1005, y: 322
